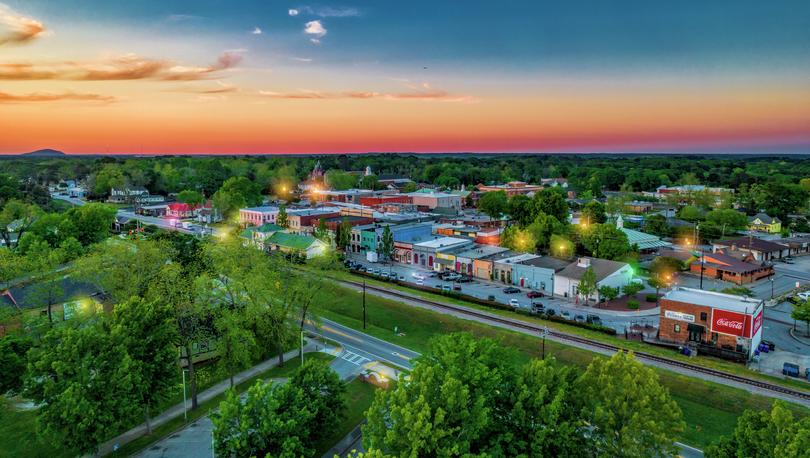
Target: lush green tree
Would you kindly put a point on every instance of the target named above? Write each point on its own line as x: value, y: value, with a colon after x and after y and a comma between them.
x: 13, y: 361
x: 779, y: 199
x: 594, y: 212
x: 774, y: 434
x: 344, y: 235
x: 92, y: 222
x: 387, y: 243
x: 47, y: 290
x: 322, y: 232
x: 85, y: 385
x: 801, y: 312
x: 605, y: 241
x: 561, y: 246
x: 236, y: 345
x: 521, y: 209
x: 110, y: 176
x: 281, y: 218
x: 543, y: 228
x: 515, y: 238
x: 551, y: 202
x: 324, y: 393
x: 631, y: 289
x: 608, y: 292
x: 235, y: 193
x: 587, y: 284
x: 629, y: 412
x: 730, y: 220
x: 657, y: 224
x: 340, y: 180
x: 190, y: 197
x: 148, y: 332
x: 690, y: 213
x: 494, y: 203
x: 370, y: 182
x: 16, y: 217
x: 454, y: 401
x: 410, y: 187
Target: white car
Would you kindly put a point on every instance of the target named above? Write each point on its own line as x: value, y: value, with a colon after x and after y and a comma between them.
x: 514, y: 303
x: 804, y: 295
x: 420, y: 281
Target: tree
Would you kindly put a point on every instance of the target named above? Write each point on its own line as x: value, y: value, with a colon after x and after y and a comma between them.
x: 47, y: 289
x: 16, y: 217
x: 594, y: 212
x: 801, y: 312
x: 454, y: 401
x: 110, y: 176
x: 344, y: 235
x: 387, y: 243
x: 369, y: 182
x: 281, y: 218
x: 493, y: 203
x: 340, y: 180
x: 587, y: 284
x: 633, y: 288
x: 84, y: 383
x: 608, y: 292
x: 543, y: 228
x: 191, y: 197
x: 92, y: 222
x: 235, y: 344
x: 147, y: 331
x: 551, y: 202
x: 324, y: 393
x: 515, y: 238
x: 322, y: 232
x: 521, y: 209
x: 629, y: 412
x: 690, y: 213
x: 561, y: 246
x: 12, y: 359
x: 774, y: 434
x: 605, y: 241
x: 662, y: 269
x: 236, y: 193
x: 729, y: 220
x: 657, y: 224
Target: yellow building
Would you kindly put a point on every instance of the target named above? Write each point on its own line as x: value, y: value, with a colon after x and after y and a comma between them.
x: 764, y: 223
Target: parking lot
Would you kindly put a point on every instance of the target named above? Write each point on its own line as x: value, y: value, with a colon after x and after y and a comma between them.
x: 491, y: 290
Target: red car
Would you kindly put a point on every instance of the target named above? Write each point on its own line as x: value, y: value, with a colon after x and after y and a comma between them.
x: 533, y: 294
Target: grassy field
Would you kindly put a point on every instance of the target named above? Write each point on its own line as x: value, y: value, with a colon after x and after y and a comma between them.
x: 359, y: 396
x: 713, y: 363
x: 710, y: 409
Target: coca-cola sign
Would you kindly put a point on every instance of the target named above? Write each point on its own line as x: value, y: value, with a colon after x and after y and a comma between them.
x: 736, y: 324
x: 757, y: 323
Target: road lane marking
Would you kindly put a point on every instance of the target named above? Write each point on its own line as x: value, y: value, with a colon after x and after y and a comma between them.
x: 340, y: 333
x: 354, y: 358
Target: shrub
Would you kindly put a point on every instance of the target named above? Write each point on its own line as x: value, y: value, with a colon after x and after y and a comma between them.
x: 632, y: 304
x: 651, y: 297
x: 632, y: 288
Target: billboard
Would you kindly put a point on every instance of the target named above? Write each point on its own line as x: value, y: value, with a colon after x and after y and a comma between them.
x: 731, y: 323
x: 757, y: 323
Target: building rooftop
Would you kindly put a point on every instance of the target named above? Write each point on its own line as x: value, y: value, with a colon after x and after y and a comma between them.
x: 751, y: 243
x: 292, y: 241
x: 601, y: 267
x: 714, y: 299
x: 643, y: 240
x: 268, y: 227
x: 546, y: 262
x: 765, y: 218
x: 262, y: 209
x: 517, y: 259
x: 481, y: 251
x: 313, y: 211
x: 443, y: 242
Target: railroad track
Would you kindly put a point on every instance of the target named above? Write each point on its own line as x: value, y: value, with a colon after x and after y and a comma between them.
x: 592, y: 343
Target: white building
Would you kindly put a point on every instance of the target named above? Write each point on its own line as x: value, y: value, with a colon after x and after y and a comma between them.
x: 256, y: 216
x: 608, y: 273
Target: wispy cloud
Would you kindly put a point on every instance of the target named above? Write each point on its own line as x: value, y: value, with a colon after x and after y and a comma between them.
x: 301, y: 59
x: 422, y: 92
x: 16, y: 28
x: 53, y: 97
x: 325, y: 11
x: 127, y: 67
x: 256, y: 31
x: 221, y: 88
x: 316, y: 30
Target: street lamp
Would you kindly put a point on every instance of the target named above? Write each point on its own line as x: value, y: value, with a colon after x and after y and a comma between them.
x: 771, y: 286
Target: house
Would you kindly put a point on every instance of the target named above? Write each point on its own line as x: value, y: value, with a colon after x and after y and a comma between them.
x: 730, y: 268
x: 256, y: 216
x: 128, y: 194
x: 512, y: 188
x: 209, y: 215
x: 428, y: 199
x: 762, y: 250
x: 295, y: 243
x: 608, y: 273
x: 638, y: 206
x: 537, y: 273
x: 554, y: 182
x: 762, y: 222
x: 438, y: 254
x: 405, y: 236
x: 711, y: 321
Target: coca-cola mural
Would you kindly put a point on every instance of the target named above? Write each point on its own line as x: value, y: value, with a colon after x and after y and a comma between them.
x: 757, y: 323
x: 733, y: 323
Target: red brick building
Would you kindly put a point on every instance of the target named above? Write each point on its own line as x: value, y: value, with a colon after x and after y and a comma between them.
x: 382, y: 200
x: 711, y: 319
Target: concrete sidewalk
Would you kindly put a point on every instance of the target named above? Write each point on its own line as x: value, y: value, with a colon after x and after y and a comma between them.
x: 203, y: 396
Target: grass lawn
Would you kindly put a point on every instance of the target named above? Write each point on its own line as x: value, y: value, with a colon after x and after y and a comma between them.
x: 713, y: 363
x: 359, y: 396
x: 709, y: 409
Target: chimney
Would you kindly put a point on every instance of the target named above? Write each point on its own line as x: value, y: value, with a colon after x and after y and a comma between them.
x: 583, y: 262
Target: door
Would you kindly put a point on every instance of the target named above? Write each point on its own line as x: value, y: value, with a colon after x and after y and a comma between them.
x: 695, y: 332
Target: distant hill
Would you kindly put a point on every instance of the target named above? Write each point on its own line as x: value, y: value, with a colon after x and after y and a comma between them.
x: 44, y: 153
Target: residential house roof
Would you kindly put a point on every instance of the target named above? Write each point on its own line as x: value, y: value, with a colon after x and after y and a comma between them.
x: 292, y: 241
x: 765, y: 218
x: 601, y: 267
x: 546, y: 262
x: 722, y: 261
x: 269, y: 227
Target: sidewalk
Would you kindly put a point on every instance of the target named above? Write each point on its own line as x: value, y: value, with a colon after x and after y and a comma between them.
x: 205, y: 395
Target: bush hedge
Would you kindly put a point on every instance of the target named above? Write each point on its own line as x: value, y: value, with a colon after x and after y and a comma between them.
x: 632, y: 304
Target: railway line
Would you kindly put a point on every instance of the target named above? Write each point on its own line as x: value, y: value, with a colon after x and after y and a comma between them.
x: 796, y: 395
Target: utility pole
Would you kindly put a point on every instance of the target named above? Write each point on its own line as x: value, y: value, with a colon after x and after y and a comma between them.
x: 702, y: 263
x: 364, y: 304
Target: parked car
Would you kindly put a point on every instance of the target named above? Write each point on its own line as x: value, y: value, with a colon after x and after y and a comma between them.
x: 511, y: 290
x: 804, y: 295
x: 788, y: 261
x: 790, y: 369
x: 491, y: 298
x: 537, y: 307
x: 401, y: 277
x: 514, y: 303
x: 432, y: 274
x: 465, y: 279
x: 565, y: 314
x: 384, y: 274
x: 550, y: 312
x: 593, y: 319
x: 419, y: 282
x: 452, y: 277
x: 457, y: 287
x: 579, y: 319
x: 533, y: 294
x: 447, y: 288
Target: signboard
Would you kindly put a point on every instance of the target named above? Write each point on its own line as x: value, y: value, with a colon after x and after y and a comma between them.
x: 679, y: 316
x: 446, y: 257
x: 731, y: 323
x: 757, y: 323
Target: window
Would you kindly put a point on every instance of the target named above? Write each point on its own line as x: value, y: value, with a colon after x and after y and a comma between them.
x: 677, y: 328
x: 703, y: 316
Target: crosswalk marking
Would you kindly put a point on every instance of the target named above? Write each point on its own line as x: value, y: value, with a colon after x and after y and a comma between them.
x: 354, y: 358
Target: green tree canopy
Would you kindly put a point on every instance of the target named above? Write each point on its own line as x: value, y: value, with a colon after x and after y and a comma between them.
x: 774, y: 434
x: 494, y: 204
x: 594, y: 212
x: 605, y: 241
x: 521, y: 209
x: 731, y: 219
x: 340, y: 180
x: 551, y: 202
x: 191, y: 197
x: 236, y: 193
